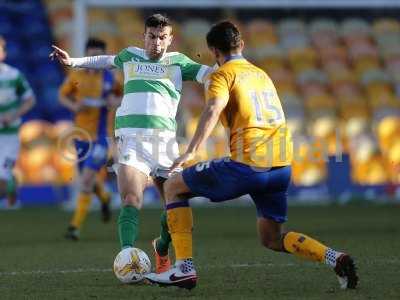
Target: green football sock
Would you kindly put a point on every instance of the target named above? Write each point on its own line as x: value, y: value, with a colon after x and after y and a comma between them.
x: 11, y: 186
x: 163, y: 242
x: 128, y: 226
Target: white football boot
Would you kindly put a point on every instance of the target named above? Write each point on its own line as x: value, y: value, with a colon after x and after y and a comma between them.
x: 175, y: 277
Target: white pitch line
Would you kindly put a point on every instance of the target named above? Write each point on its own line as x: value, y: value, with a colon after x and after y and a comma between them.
x: 44, y: 272
x: 97, y: 270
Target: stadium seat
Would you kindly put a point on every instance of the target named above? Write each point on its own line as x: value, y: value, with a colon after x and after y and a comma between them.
x: 323, y: 126
x: 302, y: 59
x: 324, y: 33
x: 393, y: 161
x: 368, y: 167
x: 309, y: 167
x: 260, y: 33
x: 335, y: 53
x: 388, y: 131
x: 33, y: 131
x: 355, y: 126
x: 269, y: 57
x: 284, y: 79
x: 34, y: 162
x: 355, y: 29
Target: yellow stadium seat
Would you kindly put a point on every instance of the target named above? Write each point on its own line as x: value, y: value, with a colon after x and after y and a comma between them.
x: 31, y: 131
x: 35, y: 165
x: 268, y: 57
x: 96, y: 14
x: 381, y: 96
x: 335, y: 53
x: 366, y: 161
x: 302, y: 59
x: 295, y: 125
x: 324, y: 102
x: 355, y: 126
x: 370, y: 172
x: 324, y: 33
x: 363, y: 148
x: 323, y: 127
x: 388, y: 131
x: 353, y: 107
x: 311, y: 78
x: 355, y: 26
x: 393, y: 161
x: 308, y: 167
x: 38, y: 156
x: 259, y: 32
x: 339, y: 73
x: 347, y: 90
x: 393, y: 153
x: 365, y: 64
x: 386, y: 25
x: 61, y: 128
x: 283, y: 80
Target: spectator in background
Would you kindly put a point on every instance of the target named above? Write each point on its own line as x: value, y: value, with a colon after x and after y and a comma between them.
x: 89, y: 94
x: 16, y: 99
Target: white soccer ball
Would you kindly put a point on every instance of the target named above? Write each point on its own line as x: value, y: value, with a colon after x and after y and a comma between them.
x: 131, y: 264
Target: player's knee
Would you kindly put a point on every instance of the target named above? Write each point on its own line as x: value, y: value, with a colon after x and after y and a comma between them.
x: 170, y: 191
x: 132, y: 199
x: 87, y: 185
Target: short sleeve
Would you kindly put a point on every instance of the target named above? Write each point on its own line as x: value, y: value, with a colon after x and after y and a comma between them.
x: 117, y: 61
x: 120, y: 58
x: 23, y: 88
x: 217, y: 86
x: 191, y: 70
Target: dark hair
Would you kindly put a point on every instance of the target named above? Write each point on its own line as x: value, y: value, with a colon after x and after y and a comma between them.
x: 157, y: 20
x: 95, y: 43
x: 2, y: 41
x: 224, y: 36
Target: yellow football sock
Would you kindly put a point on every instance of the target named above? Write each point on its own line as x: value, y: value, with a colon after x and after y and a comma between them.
x: 180, y: 224
x: 81, y: 209
x: 303, y: 246
x: 101, y: 193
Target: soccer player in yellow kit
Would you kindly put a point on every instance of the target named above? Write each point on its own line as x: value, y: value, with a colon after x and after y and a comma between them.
x: 88, y: 94
x: 244, y: 98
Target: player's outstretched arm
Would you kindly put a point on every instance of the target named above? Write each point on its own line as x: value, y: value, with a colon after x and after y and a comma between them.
x: 90, y: 62
x: 207, y: 122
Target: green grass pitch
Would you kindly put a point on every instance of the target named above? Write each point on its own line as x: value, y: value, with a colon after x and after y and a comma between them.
x: 37, y: 263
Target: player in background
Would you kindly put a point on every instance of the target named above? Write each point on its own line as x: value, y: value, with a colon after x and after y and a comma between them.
x: 16, y: 99
x: 89, y: 95
x: 145, y: 124
x: 246, y: 101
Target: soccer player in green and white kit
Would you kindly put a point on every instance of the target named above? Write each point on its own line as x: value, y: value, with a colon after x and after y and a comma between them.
x: 145, y: 124
x: 16, y: 98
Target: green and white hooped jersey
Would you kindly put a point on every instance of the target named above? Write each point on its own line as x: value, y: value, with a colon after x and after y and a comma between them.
x: 152, y: 90
x: 14, y: 89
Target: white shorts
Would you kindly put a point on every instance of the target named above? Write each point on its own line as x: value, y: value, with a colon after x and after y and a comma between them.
x: 147, y: 153
x: 8, y: 154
